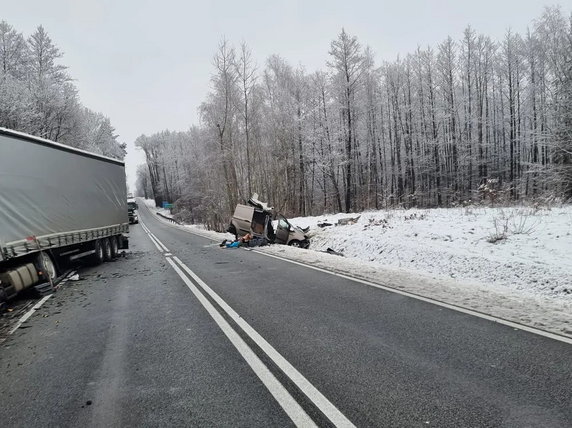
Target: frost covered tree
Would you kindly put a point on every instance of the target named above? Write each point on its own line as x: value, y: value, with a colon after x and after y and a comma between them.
x: 219, y: 114
x: 15, y: 99
x: 246, y: 78
x: 37, y: 95
x: 442, y: 126
x: 348, y: 66
x: 143, y: 183
x: 555, y: 32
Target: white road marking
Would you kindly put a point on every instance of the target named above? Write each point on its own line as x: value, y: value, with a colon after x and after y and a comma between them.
x: 150, y: 237
x: 515, y: 325
x: 30, y: 313
x: 156, y: 239
x: 282, y: 396
x: 331, y: 411
x: 160, y: 243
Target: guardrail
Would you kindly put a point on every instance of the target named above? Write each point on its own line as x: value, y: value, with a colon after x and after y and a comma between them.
x: 168, y: 218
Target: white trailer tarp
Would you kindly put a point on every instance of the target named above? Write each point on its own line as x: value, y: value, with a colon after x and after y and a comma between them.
x: 49, y: 189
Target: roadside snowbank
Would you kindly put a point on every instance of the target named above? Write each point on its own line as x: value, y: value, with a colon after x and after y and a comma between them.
x: 525, y: 276
x: 151, y: 204
x: 532, y: 252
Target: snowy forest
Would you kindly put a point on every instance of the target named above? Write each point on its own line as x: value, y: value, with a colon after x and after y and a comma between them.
x: 38, y: 97
x: 469, y: 120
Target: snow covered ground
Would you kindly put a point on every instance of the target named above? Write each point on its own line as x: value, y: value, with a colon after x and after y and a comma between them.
x: 512, y: 263
x: 532, y: 251
x: 151, y: 204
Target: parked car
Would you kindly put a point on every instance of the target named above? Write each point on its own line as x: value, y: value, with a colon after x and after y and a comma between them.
x: 256, y: 218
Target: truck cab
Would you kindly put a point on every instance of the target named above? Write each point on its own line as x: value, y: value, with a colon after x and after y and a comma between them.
x: 132, y: 211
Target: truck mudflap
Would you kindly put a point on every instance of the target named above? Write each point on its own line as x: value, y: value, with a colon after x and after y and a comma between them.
x: 123, y: 242
x: 47, y: 287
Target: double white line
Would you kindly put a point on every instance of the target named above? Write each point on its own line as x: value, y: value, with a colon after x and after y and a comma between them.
x: 162, y: 248
x: 282, y: 396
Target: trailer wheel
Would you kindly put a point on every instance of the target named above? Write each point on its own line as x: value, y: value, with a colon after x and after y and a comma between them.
x: 99, y: 256
x: 47, y: 266
x: 114, y: 246
x: 106, y: 243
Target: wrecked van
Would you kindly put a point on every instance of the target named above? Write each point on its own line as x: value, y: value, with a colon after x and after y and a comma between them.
x: 256, y: 218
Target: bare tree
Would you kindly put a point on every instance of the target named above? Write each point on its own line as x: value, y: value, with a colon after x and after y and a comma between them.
x: 348, y: 65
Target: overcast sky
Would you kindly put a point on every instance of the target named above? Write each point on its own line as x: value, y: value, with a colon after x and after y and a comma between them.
x: 147, y: 64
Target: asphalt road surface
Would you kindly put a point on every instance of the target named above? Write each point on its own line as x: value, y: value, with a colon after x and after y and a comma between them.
x: 183, y: 333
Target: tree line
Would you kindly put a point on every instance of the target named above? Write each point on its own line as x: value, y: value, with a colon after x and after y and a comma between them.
x: 37, y: 95
x: 465, y: 120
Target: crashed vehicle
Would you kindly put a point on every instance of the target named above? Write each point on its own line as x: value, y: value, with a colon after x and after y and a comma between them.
x: 256, y: 219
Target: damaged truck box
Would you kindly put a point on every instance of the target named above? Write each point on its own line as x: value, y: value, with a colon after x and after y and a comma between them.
x: 256, y: 218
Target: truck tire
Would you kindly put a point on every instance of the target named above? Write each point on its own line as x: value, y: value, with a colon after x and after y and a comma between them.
x: 114, y: 241
x: 106, y: 243
x: 99, y: 256
x: 45, y: 264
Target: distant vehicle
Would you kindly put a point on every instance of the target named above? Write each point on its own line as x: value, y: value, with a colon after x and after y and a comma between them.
x: 132, y: 211
x: 256, y: 218
x: 58, y: 204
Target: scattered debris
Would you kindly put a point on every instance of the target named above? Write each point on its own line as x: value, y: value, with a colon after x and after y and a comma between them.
x: 379, y: 222
x: 258, y: 242
x: 348, y: 220
x: 334, y: 252
x: 415, y: 216
x: 74, y: 277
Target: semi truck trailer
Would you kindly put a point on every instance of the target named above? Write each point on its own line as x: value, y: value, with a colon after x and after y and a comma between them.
x: 58, y: 205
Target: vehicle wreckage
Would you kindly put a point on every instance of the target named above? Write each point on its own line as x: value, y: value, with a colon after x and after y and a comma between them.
x: 257, y: 217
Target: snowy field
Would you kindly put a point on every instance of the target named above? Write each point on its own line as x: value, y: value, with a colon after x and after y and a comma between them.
x: 523, y: 249
x: 513, y: 263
